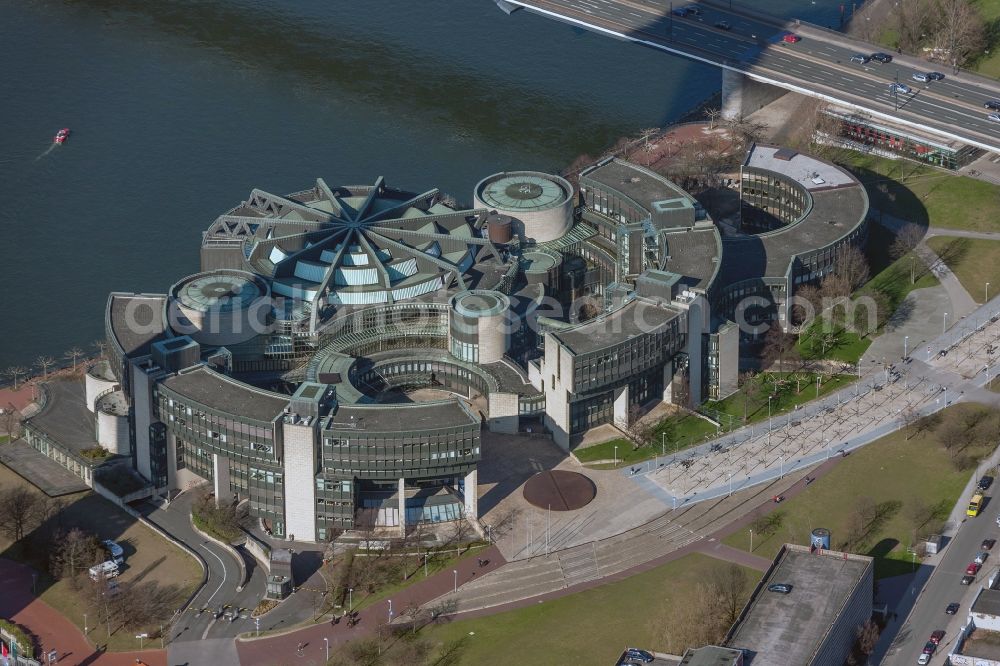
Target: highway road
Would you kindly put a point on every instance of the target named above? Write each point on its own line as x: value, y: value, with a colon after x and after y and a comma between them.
x: 819, y: 65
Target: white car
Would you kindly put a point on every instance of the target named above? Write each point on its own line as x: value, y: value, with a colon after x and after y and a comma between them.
x: 981, y: 557
x: 920, y: 76
x: 900, y: 88
x: 995, y: 117
x: 924, y: 659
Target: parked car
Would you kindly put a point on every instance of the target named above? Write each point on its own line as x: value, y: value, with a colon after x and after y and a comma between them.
x: 924, y: 659
x: 952, y: 608
x: 900, y: 88
x: 860, y: 57
x: 723, y: 25
x: 985, y: 482
x: 790, y: 38
x: 937, y: 637
x: 972, y: 569
x: 881, y: 57
x: 929, y: 647
x: 920, y: 76
x: 783, y: 588
x: 107, y: 569
x: 992, y: 104
x: 638, y: 655
x: 981, y: 557
x: 968, y: 580
x: 988, y: 544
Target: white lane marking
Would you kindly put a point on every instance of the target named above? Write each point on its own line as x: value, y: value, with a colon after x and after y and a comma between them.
x: 224, y: 574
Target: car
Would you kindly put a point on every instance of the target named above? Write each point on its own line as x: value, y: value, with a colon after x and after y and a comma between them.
x: 985, y: 482
x: 783, y: 588
x: 929, y: 647
x: 693, y: 10
x: 860, y: 57
x: 995, y: 117
x: 638, y: 655
x: 937, y: 637
x: 988, y: 544
x: 901, y: 88
x: 881, y: 57
x: 723, y: 25
x: 998, y: 520
x: 972, y: 569
x: 952, y: 608
x: 681, y: 11
x: 992, y: 104
x: 981, y: 557
x: 920, y: 76
x: 924, y: 658
x: 790, y: 38
x: 968, y: 580
x: 935, y: 76
x: 113, y: 548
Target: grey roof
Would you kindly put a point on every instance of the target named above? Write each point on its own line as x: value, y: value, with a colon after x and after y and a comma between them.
x: 645, y: 187
x: 224, y: 394
x: 835, y: 214
x: 711, y: 655
x: 787, y: 629
x: 638, y: 316
x: 65, y: 417
x: 37, y: 468
x: 408, y: 417
x: 987, y: 603
x: 136, y: 321
x: 694, y: 254
x: 808, y: 171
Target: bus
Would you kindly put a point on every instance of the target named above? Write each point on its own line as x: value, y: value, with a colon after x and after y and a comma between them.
x: 975, y: 505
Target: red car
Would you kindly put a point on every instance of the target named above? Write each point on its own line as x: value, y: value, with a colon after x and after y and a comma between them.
x: 937, y: 637
x: 790, y: 38
x: 972, y: 569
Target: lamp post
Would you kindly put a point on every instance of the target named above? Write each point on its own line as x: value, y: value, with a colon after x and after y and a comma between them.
x: 751, y: 541
x: 781, y: 468
x: 769, y: 413
x: 327, y: 642
x: 616, y: 455
x: 455, y: 571
x: 390, y: 610
x: 350, y: 591
x: 987, y: 293
x: 906, y: 340
x: 944, y: 323
x: 86, y: 628
x: 730, y: 484
x: 140, y: 637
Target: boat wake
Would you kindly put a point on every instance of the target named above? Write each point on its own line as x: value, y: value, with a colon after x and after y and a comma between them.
x: 49, y: 150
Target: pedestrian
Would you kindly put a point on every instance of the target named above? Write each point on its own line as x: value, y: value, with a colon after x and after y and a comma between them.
x: 479, y: 561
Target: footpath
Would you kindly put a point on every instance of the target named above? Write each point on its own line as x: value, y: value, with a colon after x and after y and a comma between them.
x: 51, y: 629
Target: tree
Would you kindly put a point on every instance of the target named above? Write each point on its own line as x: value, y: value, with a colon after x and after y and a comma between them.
x: 850, y: 271
x: 868, y: 634
x: 641, y: 433
x: 76, y: 551
x: 750, y: 385
x: 911, y: 19
x: 73, y: 354
x: 101, y: 347
x: 44, y: 363
x: 778, y: 346
x: 15, y: 372
x: 18, y: 506
x: 730, y: 586
x: 907, y: 239
x: 961, y: 34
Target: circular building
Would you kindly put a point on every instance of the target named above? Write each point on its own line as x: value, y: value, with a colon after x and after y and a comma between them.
x: 478, y: 330
x: 220, y: 307
x: 540, y: 204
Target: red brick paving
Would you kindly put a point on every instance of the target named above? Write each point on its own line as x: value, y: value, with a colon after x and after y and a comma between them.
x: 52, y: 630
x: 20, y: 398
x: 281, y: 650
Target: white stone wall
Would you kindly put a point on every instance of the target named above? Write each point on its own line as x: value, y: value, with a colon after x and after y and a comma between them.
x: 503, y: 408
x: 494, y: 339
x: 557, y: 370
x: 112, y: 433
x: 94, y: 387
x: 300, y: 481
x: 142, y: 406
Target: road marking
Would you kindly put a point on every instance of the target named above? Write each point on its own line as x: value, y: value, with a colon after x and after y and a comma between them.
x: 224, y: 574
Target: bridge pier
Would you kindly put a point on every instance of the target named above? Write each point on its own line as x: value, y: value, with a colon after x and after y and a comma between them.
x: 741, y: 95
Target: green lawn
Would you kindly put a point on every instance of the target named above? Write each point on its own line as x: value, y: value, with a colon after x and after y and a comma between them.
x: 684, y: 430
x: 925, y: 195
x: 590, y: 627
x: 846, y: 346
x: 896, y: 474
x: 989, y: 63
x: 786, y: 398
x: 442, y: 562
x: 973, y: 261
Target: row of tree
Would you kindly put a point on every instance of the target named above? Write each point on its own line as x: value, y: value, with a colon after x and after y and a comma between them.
x: 17, y: 373
x: 953, y: 31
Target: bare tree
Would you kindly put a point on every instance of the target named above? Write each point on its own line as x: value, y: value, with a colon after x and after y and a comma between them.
x: 778, y: 346
x: 75, y: 552
x: 73, y: 354
x: 640, y: 433
x: 730, y: 586
x: 961, y: 34
x: 713, y: 114
x: 911, y: 20
x: 101, y: 347
x: 905, y: 240
x: 750, y: 386
x: 12, y: 421
x: 15, y: 372
x: 18, y: 506
x: 850, y: 271
x: 868, y: 634
x: 44, y: 363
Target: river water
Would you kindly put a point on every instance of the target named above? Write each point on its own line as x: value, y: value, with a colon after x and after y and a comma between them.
x: 179, y: 107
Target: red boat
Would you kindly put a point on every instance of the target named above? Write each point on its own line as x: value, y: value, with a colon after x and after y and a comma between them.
x: 61, y: 135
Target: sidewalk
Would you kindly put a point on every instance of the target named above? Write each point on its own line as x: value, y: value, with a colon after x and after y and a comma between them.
x: 281, y: 650
x: 52, y: 630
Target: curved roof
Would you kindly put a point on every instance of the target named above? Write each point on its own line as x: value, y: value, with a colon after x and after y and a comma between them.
x: 352, y: 245
x: 521, y: 191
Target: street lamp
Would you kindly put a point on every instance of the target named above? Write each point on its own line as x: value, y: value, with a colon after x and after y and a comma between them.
x: 781, y: 469
x: 350, y: 593
x: 730, y: 484
x: 327, y: 642
x: 987, y: 293
x: 769, y: 413
x: 390, y: 611
x: 751, y: 541
x: 455, y: 571
x: 944, y: 323
x: 86, y: 628
x: 140, y: 637
x: 906, y: 340
x: 616, y: 455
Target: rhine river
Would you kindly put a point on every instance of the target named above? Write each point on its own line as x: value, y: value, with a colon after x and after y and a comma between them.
x: 179, y: 108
